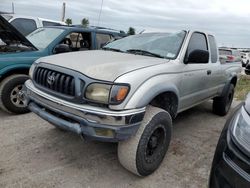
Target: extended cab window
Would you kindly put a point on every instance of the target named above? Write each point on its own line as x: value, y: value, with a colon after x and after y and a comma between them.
x: 213, y: 49
x: 102, y: 39
x: 24, y: 25
x: 197, y: 42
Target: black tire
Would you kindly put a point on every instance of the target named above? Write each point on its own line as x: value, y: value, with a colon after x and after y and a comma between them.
x: 221, y: 105
x: 143, y: 153
x: 8, y: 89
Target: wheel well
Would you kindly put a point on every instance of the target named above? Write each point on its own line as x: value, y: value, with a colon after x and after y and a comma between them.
x: 234, y: 81
x: 15, y: 71
x: 167, y: 101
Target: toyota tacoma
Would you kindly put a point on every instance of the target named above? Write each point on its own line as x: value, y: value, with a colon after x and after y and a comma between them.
x: 130, y: 91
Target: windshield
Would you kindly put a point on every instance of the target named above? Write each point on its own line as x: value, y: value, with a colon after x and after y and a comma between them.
x: 165, y: 45
x: 42, y: 37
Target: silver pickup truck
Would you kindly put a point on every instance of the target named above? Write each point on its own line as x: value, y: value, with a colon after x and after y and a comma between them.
x: 130, y: 91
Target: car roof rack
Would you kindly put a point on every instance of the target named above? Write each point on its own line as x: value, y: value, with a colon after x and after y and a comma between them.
x: 100, y: 28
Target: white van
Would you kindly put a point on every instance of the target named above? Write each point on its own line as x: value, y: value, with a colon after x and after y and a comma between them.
x: 245, y: 56
x: 27, y: 24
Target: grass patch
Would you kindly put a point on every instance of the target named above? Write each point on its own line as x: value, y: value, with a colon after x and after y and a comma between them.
x: 243, y: 87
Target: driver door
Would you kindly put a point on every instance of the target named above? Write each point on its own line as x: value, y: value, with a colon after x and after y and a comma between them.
x: 195, y: 76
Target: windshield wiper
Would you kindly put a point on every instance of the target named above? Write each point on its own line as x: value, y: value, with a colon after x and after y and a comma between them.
x: 112, y: 49
x: 144, y: 52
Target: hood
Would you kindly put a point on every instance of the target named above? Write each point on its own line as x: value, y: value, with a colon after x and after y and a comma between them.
x: 247, y: 104
x: 10, y: 35
x: 102, y: 65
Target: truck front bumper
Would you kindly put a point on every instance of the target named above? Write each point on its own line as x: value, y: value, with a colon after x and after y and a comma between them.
x: 91, y: 122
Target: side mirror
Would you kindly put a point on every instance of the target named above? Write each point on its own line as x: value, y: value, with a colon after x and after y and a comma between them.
x: 61, y: 48
x: 198, y: 56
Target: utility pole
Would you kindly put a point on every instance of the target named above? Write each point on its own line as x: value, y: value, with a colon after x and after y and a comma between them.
x: 100, y: 14
x: 63, y: 11
x: 13, y: 8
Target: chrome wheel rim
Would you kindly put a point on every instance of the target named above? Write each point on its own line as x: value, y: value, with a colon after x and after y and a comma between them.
x: 17, y: 97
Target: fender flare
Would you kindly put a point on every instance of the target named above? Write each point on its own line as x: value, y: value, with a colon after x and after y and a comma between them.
x: 227, y: 86
x: 150, y: 94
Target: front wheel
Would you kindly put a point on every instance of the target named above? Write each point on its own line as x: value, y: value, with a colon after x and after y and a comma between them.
x: 143, y: 153
x: 221, y: 105
x: 11, y: 97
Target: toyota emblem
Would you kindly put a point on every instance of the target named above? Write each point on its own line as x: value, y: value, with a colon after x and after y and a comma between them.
x: 51, y: 79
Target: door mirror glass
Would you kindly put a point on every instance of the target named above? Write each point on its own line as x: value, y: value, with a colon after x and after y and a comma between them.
x: 61, y: 48
x: 198, y: 56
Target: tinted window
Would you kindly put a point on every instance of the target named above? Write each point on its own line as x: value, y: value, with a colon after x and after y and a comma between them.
x: 213, y: 49
x: 47, y: 23
x: 24, y: 26
x: 102, y: 39
x: 197, y: 42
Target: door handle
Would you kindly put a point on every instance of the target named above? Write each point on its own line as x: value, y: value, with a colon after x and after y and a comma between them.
x: 209, y: 72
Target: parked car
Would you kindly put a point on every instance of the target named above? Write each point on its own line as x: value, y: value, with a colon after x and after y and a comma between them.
x: 247, y: 69
x: 130, y: 91
x: 17, y: 53
x: 245, y: 56
x: 229, y: 55
x: 231, y: 162
x: 28, y: 24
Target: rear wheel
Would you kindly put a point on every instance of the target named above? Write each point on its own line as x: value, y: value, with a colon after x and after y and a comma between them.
x: 11, y: 97
x: 221, y: 105
x: 143, y: 153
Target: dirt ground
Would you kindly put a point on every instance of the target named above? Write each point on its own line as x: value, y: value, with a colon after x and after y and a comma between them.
x: 35, y: 154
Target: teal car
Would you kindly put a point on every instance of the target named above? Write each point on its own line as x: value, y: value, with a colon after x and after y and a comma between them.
x: 17, y: 53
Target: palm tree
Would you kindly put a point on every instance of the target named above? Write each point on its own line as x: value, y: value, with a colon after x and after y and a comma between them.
x: 131, y: 31
x: 68, y: 21
x: 85, y: 22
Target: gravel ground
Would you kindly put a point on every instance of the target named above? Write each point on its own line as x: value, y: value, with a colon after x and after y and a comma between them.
x: 35, y: 154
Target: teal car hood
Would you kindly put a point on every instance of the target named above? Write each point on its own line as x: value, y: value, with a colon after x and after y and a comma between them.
x: 19, y: 59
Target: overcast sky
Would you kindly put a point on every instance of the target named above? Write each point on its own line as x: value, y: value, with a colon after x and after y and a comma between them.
x: 229, y: 20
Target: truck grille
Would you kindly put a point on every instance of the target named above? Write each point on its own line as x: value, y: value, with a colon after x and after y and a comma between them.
x: 55, y: 81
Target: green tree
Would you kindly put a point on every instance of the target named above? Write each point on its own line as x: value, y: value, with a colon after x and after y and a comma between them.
x: 131, y: 31
x: 85, y: 22
x: 68, y: 21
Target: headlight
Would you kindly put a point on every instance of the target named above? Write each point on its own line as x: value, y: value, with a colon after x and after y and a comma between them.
x: 31, y: 71
x: 107, y: 94
x: 98, y: 92
x: 241, y: 131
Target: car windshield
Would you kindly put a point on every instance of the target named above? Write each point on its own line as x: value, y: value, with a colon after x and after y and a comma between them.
x: 164, y: 45
x: 42, y: 37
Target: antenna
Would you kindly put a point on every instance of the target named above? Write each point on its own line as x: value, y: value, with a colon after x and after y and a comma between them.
x: 100, y: 14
